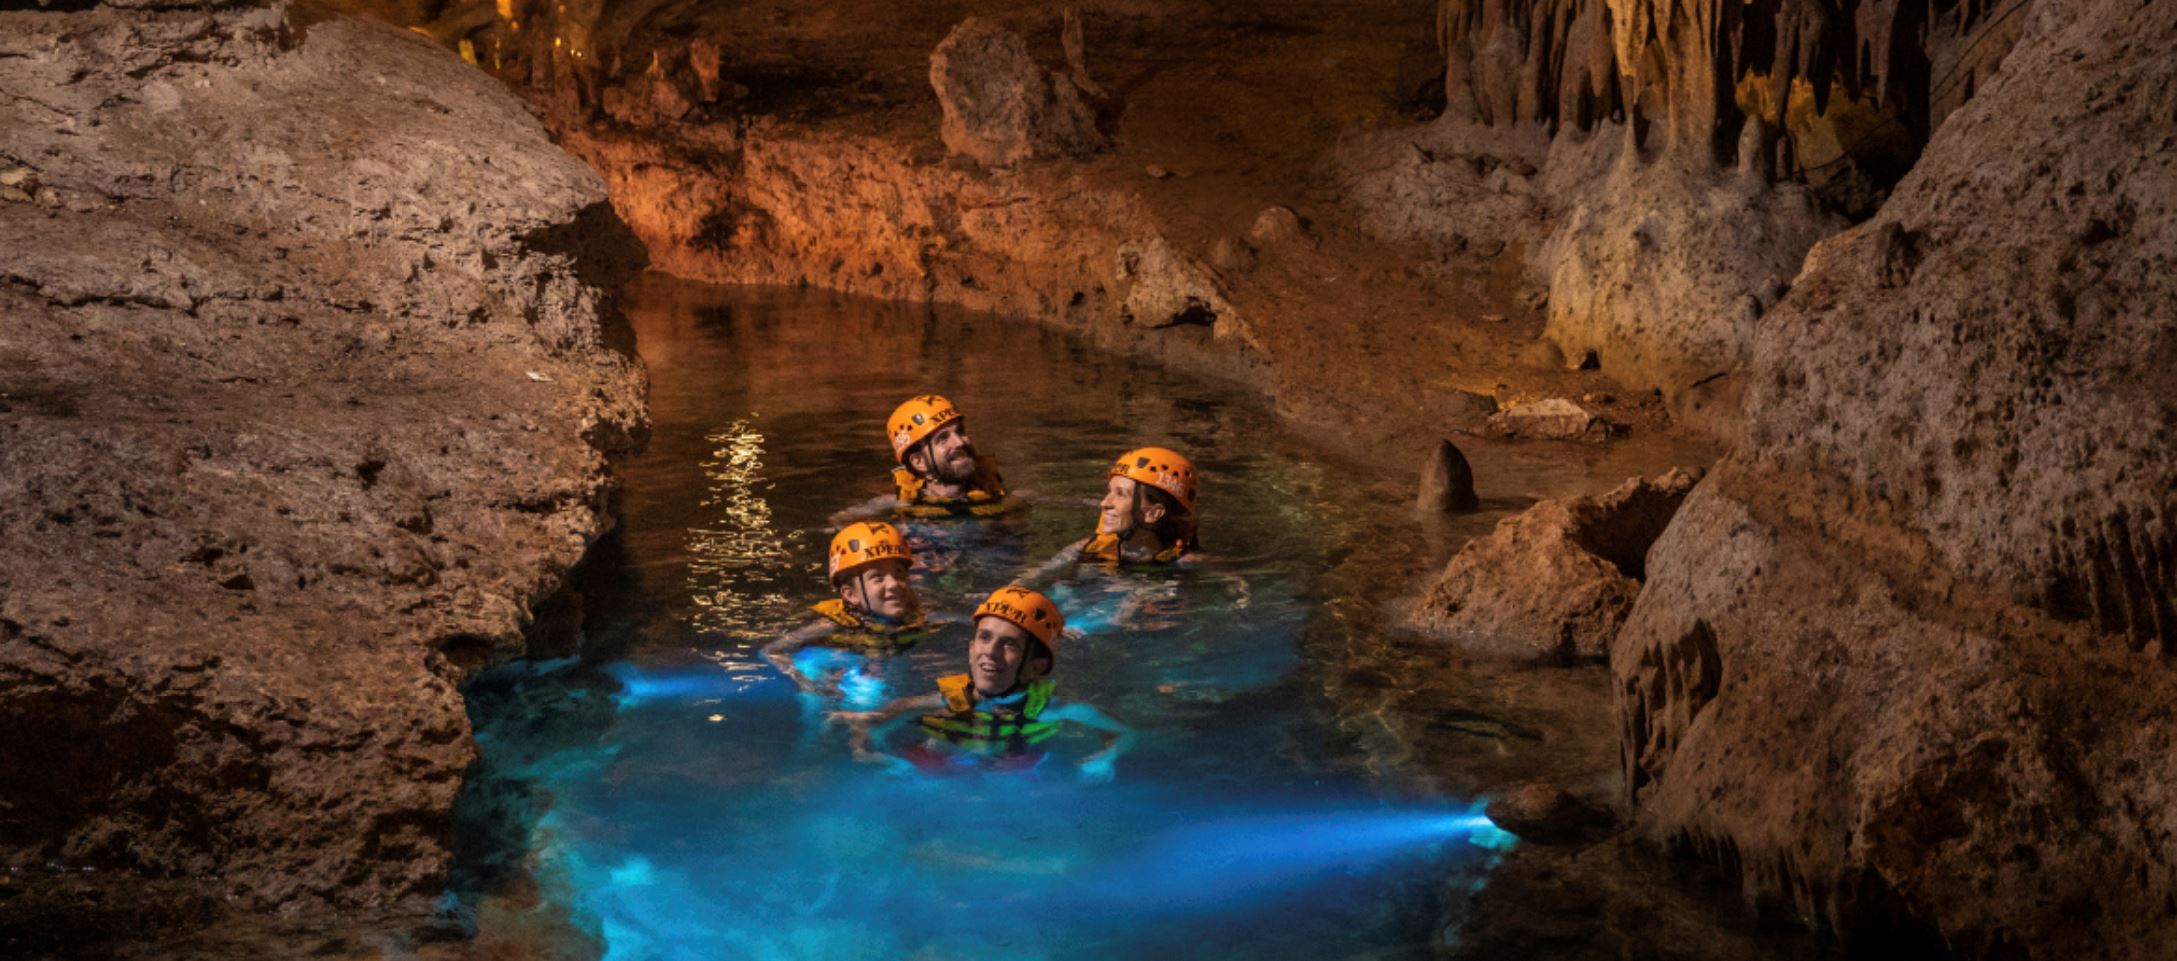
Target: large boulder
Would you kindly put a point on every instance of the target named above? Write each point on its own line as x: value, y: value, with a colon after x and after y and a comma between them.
x: 1001, y: 107
x: 304, y: 407
x: 1903, y: 660
x: 1555, y: 580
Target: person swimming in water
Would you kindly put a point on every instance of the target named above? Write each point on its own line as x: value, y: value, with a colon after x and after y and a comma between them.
x: 877, y: 612
x: 939, y: 472
x: 1146, y: 515
x: 1003, y: 707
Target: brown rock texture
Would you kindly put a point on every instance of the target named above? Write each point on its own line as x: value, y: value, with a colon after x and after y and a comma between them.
x: 1556, y: 580
x: 1689, y: 155
x: 1001, y: 107
x: 1904, y: 658
x: 303, y: 413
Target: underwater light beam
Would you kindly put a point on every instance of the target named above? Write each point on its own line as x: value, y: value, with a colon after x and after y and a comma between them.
x: 1207, y: 864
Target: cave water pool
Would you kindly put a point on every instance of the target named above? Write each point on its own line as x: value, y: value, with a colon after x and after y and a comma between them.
x: 667, y: 795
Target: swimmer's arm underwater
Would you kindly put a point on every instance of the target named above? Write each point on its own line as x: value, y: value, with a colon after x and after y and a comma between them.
x: 1117, y: 737
x: 781, y: 653
x: 865, y: 727
x: 1049, y: 570
x: 869, y: 510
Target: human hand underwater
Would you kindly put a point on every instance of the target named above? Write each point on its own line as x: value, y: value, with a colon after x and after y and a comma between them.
x: 1098, y: 769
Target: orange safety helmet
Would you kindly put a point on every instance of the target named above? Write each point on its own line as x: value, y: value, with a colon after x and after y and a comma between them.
x: 861, y: 544
x: 916, y: 419
x: 1028, y: 610
x: 1162, y: 469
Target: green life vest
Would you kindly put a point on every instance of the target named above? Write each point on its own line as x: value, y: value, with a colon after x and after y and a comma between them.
x: 1008, y: 728
x: 985, y: 496
x: 867, y: 635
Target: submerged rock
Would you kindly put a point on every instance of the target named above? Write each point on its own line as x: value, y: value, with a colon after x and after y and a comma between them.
x: 1548, y: 814
x: 1001, y: 107
x: 300, y: 427
x: 1556, y: 580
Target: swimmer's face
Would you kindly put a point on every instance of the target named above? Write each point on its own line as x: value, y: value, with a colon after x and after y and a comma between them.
x: 948, y: 454
x: 996, y: 655
x: 889, y: 593
x: 1119, y: 508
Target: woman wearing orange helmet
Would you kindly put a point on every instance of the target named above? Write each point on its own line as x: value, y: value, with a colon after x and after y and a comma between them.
x: 1146, y: 515
x: 877, y: 612
x: 939, y: 473
x: 1003, y: 704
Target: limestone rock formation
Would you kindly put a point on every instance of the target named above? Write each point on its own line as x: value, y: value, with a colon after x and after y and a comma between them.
x: 1556, y: 580
x: 1001, y: 107
x: 303, y: 412
x: 1905, y: 654
x: 1549, y: 814
x: 1690, y: 155
x: 1553, y: 418
x: 1447, y: 482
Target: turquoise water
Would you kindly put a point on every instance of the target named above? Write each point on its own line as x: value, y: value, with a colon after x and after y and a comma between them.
x: 670, y: 796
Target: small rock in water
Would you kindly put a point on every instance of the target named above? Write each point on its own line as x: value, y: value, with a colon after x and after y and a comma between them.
x: 1276, y: 225
x: 1493, y: 318
x: 1552, y: 419
x: 1155, y: 172
x: 1447, y: 482
x: 1548, y: 814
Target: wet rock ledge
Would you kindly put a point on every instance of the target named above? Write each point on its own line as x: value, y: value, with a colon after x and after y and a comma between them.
x: 304, y: 411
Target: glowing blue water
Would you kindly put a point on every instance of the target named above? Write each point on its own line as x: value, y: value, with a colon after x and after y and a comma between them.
x: 678, y: 799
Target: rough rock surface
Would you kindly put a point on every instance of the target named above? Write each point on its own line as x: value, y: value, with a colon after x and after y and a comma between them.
x: 1553, y: 418
x: 303, y: 413
x: 1664, y: 166
x: 1556, y: 580
x: 1549, y: 814
x: 1663, y: 269
x: 1001, y: 107
x: 1904, y: 658
x: 1447, y: 482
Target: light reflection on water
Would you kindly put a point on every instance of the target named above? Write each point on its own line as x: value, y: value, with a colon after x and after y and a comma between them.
x: 683, y: 801
x: 738, y: 565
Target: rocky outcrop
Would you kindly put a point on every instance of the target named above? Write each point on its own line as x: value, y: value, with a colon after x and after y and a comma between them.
x: 1001, y: 107
x: 1904, y: 657
x: 304, y: 404
x: 1664, y: 166
x: 1556, y: 580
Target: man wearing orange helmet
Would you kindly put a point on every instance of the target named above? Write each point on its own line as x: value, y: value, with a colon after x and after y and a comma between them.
x: 939, y: 473
x: 1003, y: 706
x: 1145, y: 517
x: 876, y: 613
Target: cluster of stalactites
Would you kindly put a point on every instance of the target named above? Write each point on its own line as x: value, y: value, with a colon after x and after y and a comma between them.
x: 1700, y: 67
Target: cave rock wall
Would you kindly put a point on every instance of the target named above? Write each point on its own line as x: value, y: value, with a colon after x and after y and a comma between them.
x: 1904, y: 658
x: 1700, y: 149
x: 304, y: 408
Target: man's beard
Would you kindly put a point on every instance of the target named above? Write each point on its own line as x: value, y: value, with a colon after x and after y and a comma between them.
x: 957, y: 470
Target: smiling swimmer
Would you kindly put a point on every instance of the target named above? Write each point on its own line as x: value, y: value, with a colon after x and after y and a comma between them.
x: 876, y: 613
x: 1003, y: 707
x: 939, y: 473
x: 1146, y: 515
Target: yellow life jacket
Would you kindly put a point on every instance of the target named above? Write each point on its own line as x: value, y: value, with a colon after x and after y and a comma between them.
x: 866, y: 634
x: 985, y: 496
x: 1106, y: 547
x: 1004, y: 728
